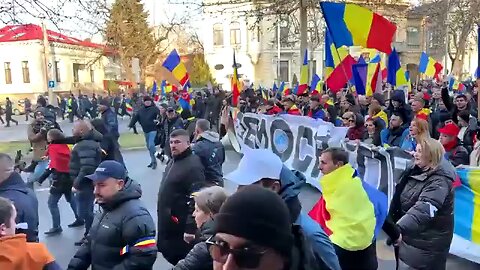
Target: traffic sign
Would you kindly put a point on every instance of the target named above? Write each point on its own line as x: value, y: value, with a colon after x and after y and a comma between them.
x: 51, y: 84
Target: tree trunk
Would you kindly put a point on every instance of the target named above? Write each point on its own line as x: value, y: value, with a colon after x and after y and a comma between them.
x: 303, y: 29
x: 457, y: 65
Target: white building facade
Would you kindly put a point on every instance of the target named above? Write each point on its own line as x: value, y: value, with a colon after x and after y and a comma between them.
x: 31, y: 65
x: 225, y: 30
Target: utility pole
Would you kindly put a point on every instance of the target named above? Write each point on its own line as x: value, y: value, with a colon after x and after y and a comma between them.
x: 46, y: 54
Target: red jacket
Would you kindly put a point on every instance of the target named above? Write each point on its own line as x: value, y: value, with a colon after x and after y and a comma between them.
x: 59, y: 155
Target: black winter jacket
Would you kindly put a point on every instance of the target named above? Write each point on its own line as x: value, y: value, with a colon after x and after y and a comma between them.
x: 422, y: 210
x: 26, y: 203
x: 212, y: 154
x: 458, y: 156
x: 85, y: 157
x: 146, y: 116
x: 124, y: 222
x: 199, y: 257
x: 183, y: 175
x: 110, y: 120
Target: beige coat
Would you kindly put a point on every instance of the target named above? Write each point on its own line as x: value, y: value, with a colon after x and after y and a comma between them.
x: 39, y: 142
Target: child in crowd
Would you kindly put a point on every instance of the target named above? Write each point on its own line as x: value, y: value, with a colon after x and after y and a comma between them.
x: 59, y: 155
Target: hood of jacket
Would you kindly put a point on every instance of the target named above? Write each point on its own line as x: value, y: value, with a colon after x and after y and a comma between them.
x: 291, y: 182
x: 131, y: 191
x: 93, y: 135
x: 14, y: 182
x: 13, y: 251
x: 207, y: 229
x: 210, y: 135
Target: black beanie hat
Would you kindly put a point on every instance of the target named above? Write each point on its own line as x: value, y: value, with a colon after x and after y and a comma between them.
x: 259, y: 215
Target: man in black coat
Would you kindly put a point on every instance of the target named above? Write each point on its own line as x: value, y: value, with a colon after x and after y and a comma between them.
x: 173, y: 121
x: 9, y: 112
x: 85, y: 157
x: 210, y: 150
x: 123, y: 235
x: 183, y: 176
x: 148, y: 117
x: 13, y: 188
x: 109, y: 118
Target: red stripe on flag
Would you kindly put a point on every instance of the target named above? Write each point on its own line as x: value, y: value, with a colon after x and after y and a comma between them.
x: 438, y: 69
x: 320, y: 214
x: 381, y: 34
x: 341, y: 74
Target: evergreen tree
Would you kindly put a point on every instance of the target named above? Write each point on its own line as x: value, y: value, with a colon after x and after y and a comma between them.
x: 200, y: 74
x: 129, y: 35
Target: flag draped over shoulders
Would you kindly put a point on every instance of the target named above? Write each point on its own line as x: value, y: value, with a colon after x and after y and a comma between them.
x: 350, y: 210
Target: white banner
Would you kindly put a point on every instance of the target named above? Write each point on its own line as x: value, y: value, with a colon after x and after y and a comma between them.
x: 299, y: 141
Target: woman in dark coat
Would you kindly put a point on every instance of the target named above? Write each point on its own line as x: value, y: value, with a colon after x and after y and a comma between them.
x: 420, y: 221
x: 207, y: 203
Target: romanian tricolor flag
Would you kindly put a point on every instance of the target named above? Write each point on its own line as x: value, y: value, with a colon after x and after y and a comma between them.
x: 350, y: 211
x: 315, y: 85
x: 333, y: 56
x: 467, y: 205
x: 455, y: 84
x: 429, y: 66
x: 143, y: 243
x: 341, y: 74
x: 353, y: 25
x: 235, y: 83
x: 174, y: 65
x: 274, y: 88
x: 129, y: 107
x: 186, y: 101
x: 303, y: 84
x: 396, y: 75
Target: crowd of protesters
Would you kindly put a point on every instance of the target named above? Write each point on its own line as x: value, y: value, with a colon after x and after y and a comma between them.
x: 263, y: 225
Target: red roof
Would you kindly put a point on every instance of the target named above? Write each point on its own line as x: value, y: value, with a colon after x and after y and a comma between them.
x: 25, y: 32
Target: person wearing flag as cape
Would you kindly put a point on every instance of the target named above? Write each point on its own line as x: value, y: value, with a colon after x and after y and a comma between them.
x: 350, y: 211
x: 123, y: 234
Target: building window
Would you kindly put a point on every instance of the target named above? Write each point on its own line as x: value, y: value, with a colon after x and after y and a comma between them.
x: 284, y: 70
x: 235, y: 38
x: 8, y: 73
x: 92, y: 74
x: 25, y: 72
x: 76, y: 68
x: 413, y: 37
x: 57, y: 71
x: 218, y: 34
x: 284, y: 31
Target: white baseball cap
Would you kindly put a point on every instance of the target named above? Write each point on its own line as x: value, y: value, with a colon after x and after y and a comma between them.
x: 255, y: 165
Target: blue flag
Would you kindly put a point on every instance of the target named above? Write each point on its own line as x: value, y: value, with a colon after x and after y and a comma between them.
x: 154, y: 88
x: 359, y: 74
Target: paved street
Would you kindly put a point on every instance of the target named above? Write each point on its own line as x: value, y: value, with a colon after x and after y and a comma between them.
x: 19, y: 133
x: 63, y: 249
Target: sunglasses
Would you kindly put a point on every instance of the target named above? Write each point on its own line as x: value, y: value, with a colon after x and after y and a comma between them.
x: 245, y: 257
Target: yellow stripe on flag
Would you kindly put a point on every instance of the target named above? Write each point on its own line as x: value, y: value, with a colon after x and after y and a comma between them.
x: 358, y: 21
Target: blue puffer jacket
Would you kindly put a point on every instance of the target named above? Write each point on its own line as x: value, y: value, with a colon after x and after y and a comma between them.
x: 25, y: 201
x: 292, y: 182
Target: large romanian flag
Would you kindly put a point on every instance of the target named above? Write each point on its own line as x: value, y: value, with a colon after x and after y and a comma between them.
x: 429, y: 66
x: 467, y: 205
x: 235, y: 83
x: 353, y: 25
x: 174, y: 65
x: 350, y: 211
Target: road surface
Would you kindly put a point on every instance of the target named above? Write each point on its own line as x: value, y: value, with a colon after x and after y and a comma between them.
x: 62, y: 245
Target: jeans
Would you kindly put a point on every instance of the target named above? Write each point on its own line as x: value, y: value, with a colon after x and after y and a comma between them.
x: 53, y: 207
x: 85, y: 201
x: 39, y: 170
x: 150, y: 142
